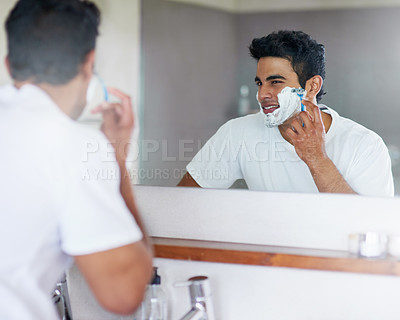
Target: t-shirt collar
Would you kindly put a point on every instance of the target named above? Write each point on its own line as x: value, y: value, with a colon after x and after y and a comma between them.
x: 35, y: 96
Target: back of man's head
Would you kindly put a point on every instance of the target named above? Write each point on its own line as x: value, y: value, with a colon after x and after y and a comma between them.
x: 305, y: 54
x: 48, y: 40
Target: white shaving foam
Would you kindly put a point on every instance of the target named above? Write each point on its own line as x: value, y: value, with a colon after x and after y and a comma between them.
x: 289, y: 105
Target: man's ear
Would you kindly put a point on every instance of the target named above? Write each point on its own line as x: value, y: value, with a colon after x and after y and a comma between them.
x: 313, y: 86
x: 88, y: 64
x: 8, y: 66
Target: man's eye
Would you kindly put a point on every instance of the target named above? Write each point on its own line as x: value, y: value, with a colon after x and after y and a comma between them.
x: 258, y: 84
x: 276, y: 81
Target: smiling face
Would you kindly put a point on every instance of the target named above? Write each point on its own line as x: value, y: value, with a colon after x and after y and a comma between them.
x: 273, y: 74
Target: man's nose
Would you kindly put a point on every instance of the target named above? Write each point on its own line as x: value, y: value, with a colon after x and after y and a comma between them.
x: 264, y: 92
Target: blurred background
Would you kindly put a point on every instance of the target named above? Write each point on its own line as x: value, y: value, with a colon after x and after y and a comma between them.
x: 186, y: 65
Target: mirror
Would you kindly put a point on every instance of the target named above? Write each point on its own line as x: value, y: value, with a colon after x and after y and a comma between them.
x: 195, y: 59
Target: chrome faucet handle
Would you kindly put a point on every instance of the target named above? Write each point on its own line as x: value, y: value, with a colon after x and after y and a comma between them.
x: 200, y: 298
x: 61, y: 299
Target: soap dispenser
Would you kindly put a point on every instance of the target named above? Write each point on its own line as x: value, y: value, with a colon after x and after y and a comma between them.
x: 154, y: 305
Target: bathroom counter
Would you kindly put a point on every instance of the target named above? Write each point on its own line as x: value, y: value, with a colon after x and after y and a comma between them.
x: 275, y: 256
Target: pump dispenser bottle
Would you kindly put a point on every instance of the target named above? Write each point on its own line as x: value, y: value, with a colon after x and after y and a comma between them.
x: 154, y: 305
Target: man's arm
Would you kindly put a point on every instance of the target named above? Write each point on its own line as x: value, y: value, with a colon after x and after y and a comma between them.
x: 309, y: 143
x: 188, y: 181
x: 117, y: 126
x: 328, y: 178
x: 118, y: 277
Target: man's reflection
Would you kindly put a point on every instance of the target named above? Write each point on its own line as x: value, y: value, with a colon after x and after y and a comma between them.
x: 283, y: 148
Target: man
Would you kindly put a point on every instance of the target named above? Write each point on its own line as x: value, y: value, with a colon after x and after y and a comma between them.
x: 285, y: 149
x: 49, y: 210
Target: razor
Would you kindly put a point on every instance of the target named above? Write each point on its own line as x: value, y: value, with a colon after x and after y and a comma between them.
x: 300, y: 92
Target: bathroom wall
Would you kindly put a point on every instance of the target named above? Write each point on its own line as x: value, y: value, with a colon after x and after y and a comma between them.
x: 118, y: 45
x: 5, y: 7
x: 189, y: 76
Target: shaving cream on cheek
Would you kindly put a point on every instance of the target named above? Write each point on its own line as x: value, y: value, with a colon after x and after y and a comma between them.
x: 289, y: 105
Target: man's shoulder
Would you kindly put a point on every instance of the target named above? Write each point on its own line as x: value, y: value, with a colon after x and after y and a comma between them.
x: 350, y: 129
x: 80, y: 136
x: 82, y: 130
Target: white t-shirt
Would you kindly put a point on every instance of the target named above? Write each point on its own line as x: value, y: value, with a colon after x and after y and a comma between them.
x: 244, y: 148
x: 59, y: 197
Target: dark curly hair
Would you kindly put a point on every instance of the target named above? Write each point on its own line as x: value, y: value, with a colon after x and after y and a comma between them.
x: 48, y: 40
x: 305, y: 54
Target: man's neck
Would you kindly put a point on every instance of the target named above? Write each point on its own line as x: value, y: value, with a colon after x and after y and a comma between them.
x: 64, y: 96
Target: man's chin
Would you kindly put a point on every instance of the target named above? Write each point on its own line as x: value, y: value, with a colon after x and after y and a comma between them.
x: 270, y: 122
x: 289, y: 120
x: 273, y: 122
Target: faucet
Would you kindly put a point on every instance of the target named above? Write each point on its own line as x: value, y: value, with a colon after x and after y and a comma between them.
x: 200, y: 298
x: 61, y: 299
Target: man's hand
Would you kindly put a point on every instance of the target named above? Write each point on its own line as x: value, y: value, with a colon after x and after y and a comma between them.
x: 309, y: 143
x: 309, y: 139
x: 118, y: 123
